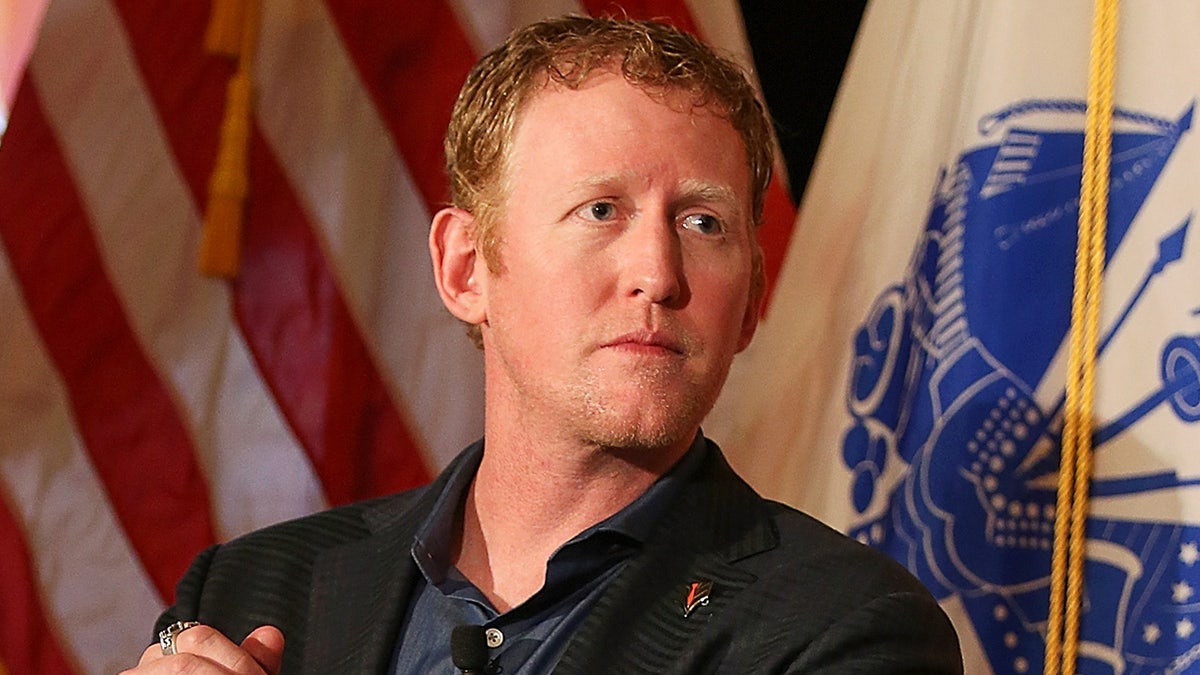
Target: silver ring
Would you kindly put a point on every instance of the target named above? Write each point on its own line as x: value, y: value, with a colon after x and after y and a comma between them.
x: 166, y: 636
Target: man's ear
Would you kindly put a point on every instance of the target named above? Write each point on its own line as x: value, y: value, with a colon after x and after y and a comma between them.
x: 458, y: 270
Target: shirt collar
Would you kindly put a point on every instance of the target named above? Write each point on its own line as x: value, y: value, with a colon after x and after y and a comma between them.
x: 431, y: 547
x: 638, y: 518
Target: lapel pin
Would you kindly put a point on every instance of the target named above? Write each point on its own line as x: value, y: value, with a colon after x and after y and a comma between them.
x: 698, y: 593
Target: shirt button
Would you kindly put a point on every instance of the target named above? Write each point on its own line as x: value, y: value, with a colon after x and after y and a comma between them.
x: 494, y: 637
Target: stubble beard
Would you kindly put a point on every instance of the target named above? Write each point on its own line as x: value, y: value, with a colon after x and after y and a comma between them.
x: 659, y: 407
x: 632, y: 411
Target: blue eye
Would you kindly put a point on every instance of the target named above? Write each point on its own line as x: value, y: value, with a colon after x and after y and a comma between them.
x: 599, y: 211
x: 702, y: 223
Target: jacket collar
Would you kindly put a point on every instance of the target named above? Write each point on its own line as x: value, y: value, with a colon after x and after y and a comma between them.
x: 362, y: 589
x: 716, y: 521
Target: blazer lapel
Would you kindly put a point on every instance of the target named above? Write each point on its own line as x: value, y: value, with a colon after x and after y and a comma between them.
x: 640, y: 624
x: 361, y: 591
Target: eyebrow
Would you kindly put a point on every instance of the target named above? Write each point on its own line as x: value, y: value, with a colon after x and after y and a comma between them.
x: 692, y: 190
x: 605, y: 180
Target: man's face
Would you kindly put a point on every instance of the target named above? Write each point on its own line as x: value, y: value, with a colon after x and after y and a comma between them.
x: 625, y: 267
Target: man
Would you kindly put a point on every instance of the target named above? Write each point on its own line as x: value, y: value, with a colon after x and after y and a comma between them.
x: 607, y: 178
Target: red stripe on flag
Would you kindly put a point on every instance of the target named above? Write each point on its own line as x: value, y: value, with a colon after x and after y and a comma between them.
x: 124, y: 413
x: 27, y: 645
x: 413, y: 57
x: 675, y: 12
x: 186, y: 84
x: 286, y: 299
x: 779, y: 219
x: 311, y: 352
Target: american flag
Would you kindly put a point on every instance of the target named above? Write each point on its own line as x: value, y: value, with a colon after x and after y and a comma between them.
x: 147, y: 411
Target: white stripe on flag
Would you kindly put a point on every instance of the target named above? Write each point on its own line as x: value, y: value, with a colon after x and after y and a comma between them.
x: 92, y: 585
x: 720, y: 23
x: 258, y: 474
x: 336, y: 152
x: 487, y: 23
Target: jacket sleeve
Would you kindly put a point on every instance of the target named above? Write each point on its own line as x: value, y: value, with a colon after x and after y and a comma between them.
x: 187, y: 592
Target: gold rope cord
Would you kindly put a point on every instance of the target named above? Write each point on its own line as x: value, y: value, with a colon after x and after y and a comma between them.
x: 1066, y: 580
x: 232, y: 32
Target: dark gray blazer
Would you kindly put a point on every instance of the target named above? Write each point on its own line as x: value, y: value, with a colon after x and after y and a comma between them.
x: 789, y: 594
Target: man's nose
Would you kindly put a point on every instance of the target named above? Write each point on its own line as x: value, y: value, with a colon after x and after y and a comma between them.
x: 653, y: 261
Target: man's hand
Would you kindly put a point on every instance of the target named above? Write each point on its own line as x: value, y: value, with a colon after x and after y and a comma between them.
x: 203, y: 649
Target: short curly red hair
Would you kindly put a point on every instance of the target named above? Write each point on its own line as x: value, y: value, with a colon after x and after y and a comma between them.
x: 566, y: 50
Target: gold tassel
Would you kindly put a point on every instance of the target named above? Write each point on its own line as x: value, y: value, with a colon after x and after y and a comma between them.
x: 225, y: 24
x: 220, y: 247
x: 220, y: 244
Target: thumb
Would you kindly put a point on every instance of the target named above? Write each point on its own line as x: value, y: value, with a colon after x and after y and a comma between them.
x: 265, y: 644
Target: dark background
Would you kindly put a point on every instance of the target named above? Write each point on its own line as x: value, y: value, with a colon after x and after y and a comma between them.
x: 800, y: 51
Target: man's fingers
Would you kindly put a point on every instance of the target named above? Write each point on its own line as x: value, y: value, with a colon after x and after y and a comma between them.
x: 205, y: 649
x: 154, y: 662
x: 265, y: 644
x: 209, y: 643
x: 152, y: 653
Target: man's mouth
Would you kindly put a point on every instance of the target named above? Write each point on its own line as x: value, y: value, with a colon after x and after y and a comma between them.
x: 648, y: 342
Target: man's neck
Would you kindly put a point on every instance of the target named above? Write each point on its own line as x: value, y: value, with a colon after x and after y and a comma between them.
x: 529, y: 498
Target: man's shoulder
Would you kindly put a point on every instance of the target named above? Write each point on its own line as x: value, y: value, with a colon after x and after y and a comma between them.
x: 823, y: 594
x: 290, y: 548
x: 267, y: 574
x: 327, y: 528
x: 788, y: 593
x: 817, y: 550
x: 807, y: 550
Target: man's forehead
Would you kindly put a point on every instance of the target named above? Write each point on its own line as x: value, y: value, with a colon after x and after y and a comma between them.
x: 677, y: 96
x: 607, y: 101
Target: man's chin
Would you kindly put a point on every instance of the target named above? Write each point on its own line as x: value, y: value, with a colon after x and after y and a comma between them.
x: 644, y: 434
x: 645, y: 413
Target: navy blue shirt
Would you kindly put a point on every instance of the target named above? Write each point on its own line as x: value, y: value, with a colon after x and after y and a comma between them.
x: 530, y: 637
